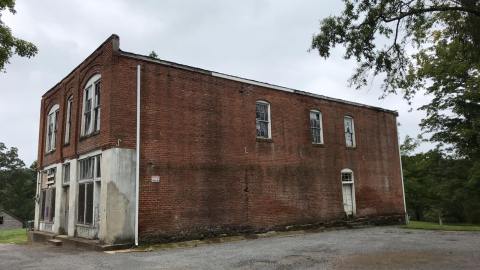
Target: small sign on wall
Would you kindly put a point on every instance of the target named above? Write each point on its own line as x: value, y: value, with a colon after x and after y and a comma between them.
x: 156, y: 179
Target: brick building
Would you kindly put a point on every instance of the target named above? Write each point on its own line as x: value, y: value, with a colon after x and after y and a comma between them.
x: 216, y: 154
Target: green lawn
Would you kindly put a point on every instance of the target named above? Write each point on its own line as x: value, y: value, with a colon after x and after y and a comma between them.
x: 445, y: 227
x: 14, y: 236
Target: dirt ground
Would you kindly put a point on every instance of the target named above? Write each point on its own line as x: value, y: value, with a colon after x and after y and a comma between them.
x: 370, y: 248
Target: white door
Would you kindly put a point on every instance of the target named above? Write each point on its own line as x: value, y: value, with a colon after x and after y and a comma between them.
x: 348, y: 199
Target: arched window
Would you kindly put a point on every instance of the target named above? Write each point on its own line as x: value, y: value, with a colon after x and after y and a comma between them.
x: 91, y: 106
x: 264, y: 127
x: 349, y: 131
x: 68, y: 120
x: 316, y: 126
x: 52, y: 128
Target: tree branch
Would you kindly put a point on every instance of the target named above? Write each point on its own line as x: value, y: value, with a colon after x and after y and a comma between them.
x: 411, y: 12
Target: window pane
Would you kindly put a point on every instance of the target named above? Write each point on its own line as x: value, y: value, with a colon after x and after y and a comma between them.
x: 81, y: 203
x: 42, y: 200
x: 66, y: 173
x: 98, y: 167
x: 346, y: 177
x: 262, y: 120
x: 89, y: 204
x: 52, y: 204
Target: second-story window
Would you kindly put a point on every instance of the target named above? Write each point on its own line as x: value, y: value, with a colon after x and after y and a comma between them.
x: 263, y: 120
x: 51, y: 129
x: 349, y: 131
x: 68, y: 120
x: 91, y: 106
x: 316, y: 127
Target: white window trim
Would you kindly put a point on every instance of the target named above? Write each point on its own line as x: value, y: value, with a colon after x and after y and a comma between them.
x: 68, y: 120
x: 354, y: 143
x: 69, y: 173
x: 96, y: 154
x: 321, y: 126
x: 347, y: 171
x: 269, y: 119
x: 90, y: 84
x: 354, y: 200
x: 50, y: 143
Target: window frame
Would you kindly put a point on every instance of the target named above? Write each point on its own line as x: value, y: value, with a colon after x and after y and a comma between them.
x: 91, y: 106
x: 68, y: 120
x: 52, y: 127
x: 320, y: 128
x: 66, y: 165
x: 354, y: 143
x: 86, y: 206
x: 269, y: 121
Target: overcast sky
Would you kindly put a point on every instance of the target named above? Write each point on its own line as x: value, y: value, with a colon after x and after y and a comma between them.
x: 265, y: 40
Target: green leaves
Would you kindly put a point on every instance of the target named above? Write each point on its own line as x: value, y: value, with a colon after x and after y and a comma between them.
x: 417, y: 46
x: 10, y: 45
x: 17, y: 184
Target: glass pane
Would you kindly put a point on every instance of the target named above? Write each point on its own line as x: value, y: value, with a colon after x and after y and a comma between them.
x: 99, y: 168
x: 89, y: 204
x: 262, y: 129
x: 52, y: 208
x: 81, y: 203
x: 346, y: 177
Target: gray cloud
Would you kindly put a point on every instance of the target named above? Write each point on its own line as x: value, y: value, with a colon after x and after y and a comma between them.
x: 264, y: 40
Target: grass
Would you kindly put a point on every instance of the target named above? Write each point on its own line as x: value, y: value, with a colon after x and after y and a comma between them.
x: 421, y: 225
x: 13, y: 236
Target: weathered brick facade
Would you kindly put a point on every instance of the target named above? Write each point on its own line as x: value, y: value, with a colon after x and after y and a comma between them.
x: 198, y: 135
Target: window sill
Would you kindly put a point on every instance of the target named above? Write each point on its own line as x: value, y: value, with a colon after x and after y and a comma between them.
x: 66, y: 144
x: 350, y: 147
x: 84, y: 225
x: 84, y: 137
x: 321, y: 145
x: 265, y: 140
x: 50, y: 152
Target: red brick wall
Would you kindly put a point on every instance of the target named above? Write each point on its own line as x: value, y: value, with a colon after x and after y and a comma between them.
x: 100, y: 61
x: 198, y: 135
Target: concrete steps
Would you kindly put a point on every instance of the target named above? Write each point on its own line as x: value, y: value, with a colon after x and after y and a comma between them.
x: 55, y: 242
x: 72, y: 242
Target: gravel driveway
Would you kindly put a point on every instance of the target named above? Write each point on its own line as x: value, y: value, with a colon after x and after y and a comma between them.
x: 370, y: 248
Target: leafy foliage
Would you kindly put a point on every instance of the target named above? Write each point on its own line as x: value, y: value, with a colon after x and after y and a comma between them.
x: 9, y: 44
x: 428, y: 46
x: 153, y: 54
x: 439, y: 185
x: 17, y: 184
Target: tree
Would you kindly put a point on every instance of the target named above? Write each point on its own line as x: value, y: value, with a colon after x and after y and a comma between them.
x: 17, y: 184
x: 9, y: 44
x: 428, y: 46
x: 153, y: 54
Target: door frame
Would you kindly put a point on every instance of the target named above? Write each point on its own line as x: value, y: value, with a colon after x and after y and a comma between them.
x: 352, y: 183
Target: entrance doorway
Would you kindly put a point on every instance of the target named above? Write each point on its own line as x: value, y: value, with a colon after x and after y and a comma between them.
x: 348, y: 192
